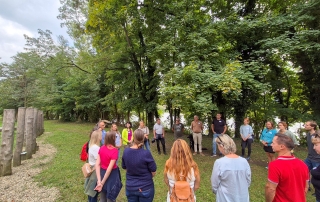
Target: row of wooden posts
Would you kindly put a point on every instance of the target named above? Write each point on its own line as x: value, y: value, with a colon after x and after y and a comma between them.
x: 29, y: 127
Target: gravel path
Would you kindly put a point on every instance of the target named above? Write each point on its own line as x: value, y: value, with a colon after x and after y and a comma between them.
x: 20, y: 186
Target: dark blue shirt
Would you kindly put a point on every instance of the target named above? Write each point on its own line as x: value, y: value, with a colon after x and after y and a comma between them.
x: 139, y: 164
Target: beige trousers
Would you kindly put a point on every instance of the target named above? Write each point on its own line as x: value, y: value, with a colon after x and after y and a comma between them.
x: 197, y: 139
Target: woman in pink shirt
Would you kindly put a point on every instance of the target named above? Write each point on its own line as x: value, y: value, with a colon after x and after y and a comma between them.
x: 108, y: 173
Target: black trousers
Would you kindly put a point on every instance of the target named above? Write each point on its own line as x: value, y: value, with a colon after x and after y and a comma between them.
x: 163, y: 144
x: 245, y: 144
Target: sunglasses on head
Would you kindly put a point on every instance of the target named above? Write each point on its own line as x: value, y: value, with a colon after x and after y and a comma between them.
x: 220, y: 140
x: 316, y: 135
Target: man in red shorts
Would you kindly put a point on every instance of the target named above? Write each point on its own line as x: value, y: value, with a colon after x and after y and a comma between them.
x: 288, y: 176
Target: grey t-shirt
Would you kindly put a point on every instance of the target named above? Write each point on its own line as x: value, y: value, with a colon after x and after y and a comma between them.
x: 178, y: 128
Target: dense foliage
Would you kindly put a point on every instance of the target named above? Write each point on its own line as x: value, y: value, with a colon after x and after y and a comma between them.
x: 251, y: 58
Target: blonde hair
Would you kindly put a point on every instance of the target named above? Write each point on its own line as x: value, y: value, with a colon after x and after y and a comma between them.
x: 227, y: 143
x: 138, y: 138
x: 95, y: 138
x: 181, y: 161
x: 316, y: 138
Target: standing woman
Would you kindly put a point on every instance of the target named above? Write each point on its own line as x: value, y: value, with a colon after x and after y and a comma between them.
x: 90, y: 183
x: 231, y: 174
x: 141, y: 168
x: 114, y: 128
x: 107, y: 171
x: 283, y: 130
x: 266, y: 139
x: 246, y: 135
x: 145, y: 130
x: 181, y: 166
x: 127, y: 134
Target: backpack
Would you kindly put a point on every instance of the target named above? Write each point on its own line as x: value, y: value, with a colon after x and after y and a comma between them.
x: 181, y: 192
x: 84, y: 152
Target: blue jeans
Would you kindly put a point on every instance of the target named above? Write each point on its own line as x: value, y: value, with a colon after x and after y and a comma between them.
x: 143, y: 196
x: 311, y: 164
x: 214, y: 144
x: 146, y: 144
x: 93, y: 199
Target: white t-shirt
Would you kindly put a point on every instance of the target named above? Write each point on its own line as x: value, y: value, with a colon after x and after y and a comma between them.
x: 93, y: 154
x: 191, y: 179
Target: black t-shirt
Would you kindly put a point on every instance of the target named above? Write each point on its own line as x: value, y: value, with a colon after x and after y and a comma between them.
x: 218, y: 125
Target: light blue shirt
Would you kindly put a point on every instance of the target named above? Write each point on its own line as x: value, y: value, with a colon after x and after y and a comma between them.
x: 245, y: 130
x: 230, y: 179
x: 118, y: 139
x: 103, y: 136
x: 268, y: 135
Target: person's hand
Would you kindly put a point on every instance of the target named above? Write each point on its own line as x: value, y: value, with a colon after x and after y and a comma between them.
x: 98, y: 187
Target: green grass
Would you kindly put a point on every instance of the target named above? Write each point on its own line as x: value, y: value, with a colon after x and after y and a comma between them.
x: 64, y: 172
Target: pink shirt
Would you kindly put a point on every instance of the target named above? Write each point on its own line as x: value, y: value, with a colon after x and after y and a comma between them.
x: 106, y: 155
x: 129, y: 134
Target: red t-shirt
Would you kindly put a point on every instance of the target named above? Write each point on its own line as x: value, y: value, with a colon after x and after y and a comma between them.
x: 106, y: 155
x: 291, y: 175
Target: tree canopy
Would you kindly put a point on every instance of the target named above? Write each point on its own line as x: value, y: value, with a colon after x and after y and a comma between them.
x: 252, y: 58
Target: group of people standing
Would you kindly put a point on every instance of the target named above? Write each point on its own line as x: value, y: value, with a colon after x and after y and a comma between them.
x: 288, y: 177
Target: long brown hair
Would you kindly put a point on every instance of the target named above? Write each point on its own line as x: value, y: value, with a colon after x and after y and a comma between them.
x: 110, y: 138
x: 181, y: 161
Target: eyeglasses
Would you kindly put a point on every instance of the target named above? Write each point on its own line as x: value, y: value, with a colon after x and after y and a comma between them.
x: 221, y: 142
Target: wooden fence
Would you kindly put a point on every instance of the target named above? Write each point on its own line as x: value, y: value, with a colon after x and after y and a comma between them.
x: 29, y: 127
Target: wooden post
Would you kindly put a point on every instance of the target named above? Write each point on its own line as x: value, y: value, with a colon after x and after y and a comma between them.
x: 38, y: 123
x: 7, y: 142
x: 20, y: 137
x: 42, y: 122
x: 28, y: 132
x: 34, y: 133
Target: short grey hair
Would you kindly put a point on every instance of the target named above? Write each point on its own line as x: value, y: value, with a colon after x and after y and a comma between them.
x: 227, y: 143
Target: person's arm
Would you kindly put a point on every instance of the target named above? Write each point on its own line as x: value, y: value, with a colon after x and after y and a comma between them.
x: 191, y: 126
x: 215, y: 180
x: 197, y: 182
x: 109, y: 169
x: 224, y: 128
x: 152, y: 166
x: 201, y: 127
x: 212, y: 128
x: 162, y: 131
x: 154, y: 132
x: 270, y: 191
x: 166, y: 180
x: 241, y: 133
x: 250, y: 132
x: 182, y: 128
x: 97, y: 166
x: 307, y: 187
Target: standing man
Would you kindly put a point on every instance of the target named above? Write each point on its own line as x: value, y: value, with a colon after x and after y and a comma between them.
x: 178, y: 129
x: 197, y: 128
x: 288, y: 176
x: 102, y: 125
x: 158, y: 134
x: 313, y: 159
x: 218, y: 127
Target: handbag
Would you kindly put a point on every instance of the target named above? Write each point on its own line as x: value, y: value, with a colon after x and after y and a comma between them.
x: 87, y: 170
